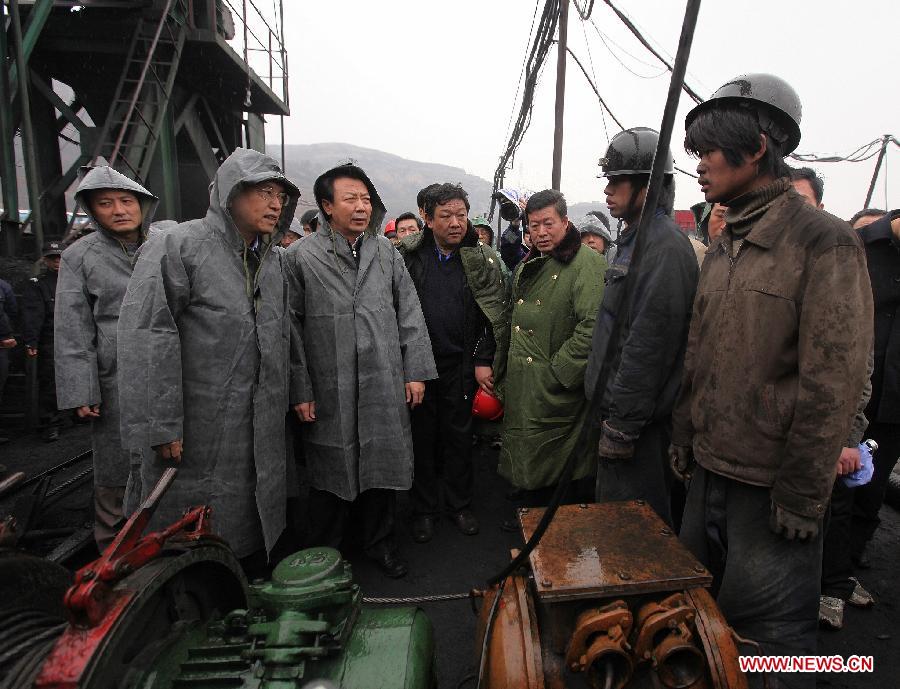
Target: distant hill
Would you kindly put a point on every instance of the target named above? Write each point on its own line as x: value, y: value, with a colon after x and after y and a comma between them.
x: 398, y: 179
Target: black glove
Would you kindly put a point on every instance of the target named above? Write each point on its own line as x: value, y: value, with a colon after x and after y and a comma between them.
x: 681, y: 458
x: 791, y: 525
x: 614, y: 444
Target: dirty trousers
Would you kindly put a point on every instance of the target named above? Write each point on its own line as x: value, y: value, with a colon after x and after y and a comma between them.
x: 645, y: 476
x: 108, y: 515
x: 837, y: 567
x: 868, y: 499
x: 442, y: 442
x: 766, y: 586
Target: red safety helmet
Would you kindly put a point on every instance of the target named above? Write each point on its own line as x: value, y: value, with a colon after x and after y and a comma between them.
x: 486, y: 406
x: 390, y: 228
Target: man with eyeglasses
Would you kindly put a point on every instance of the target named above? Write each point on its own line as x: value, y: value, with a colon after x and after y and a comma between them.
x: 204, y: 344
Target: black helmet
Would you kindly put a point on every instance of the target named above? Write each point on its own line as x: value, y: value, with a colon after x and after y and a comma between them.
x: 779, y: 100
x: 631, y: 153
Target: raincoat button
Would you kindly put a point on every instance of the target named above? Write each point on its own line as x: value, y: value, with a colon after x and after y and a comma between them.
x: 521, y: 301
x: 554, y: 276
x: 530, y: 332
x: 490, y: 260
x: 538, y: 302
x: 528, y: 360
x: 518, y: 328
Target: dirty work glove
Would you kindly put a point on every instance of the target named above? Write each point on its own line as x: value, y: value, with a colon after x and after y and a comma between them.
x: 791, y: 525
x: 681, y: 458
x: 615, y: 444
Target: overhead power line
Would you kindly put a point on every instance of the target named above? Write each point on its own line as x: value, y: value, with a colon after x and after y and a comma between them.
x: 606, y: 107
x: 637, y: 34
x: 537, y: 56
x: 586, y: 13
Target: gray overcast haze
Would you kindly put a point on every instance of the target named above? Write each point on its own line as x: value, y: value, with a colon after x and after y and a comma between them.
x: 437, y: 82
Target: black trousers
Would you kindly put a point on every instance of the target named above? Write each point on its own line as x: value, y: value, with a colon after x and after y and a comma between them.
x: 370, y: 518
x: 442, y: 442
x: 868, y: 498
x: 837, y: 568
x: 646, y: 476
x: 46, y: 376
x: 766, y: 586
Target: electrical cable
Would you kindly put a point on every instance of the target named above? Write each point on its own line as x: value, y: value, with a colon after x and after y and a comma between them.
x: 584, y: 14
x: 637, y: 34
x: 621, y: 62
x: 587, y: 46
x: 537, y: 57
x: 522, y: 68
x: 606, y: 107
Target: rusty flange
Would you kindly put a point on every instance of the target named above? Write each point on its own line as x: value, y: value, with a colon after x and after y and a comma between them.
x: 717, y: 640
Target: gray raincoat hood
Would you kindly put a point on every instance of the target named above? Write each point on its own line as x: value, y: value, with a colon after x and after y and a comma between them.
x: 105, y: 177
x: 246, y: 167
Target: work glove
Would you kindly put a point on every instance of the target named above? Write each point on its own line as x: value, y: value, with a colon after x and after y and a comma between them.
x: 681, y: 458
x: 791, y: 525
x: 615, y: 445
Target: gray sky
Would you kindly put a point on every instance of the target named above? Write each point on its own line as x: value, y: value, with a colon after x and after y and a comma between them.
x: 436, y: 82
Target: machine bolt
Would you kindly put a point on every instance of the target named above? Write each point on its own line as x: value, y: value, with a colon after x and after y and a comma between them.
x: 583, y: 505
x: 523, y: 510
x: 546, y: 583
x: 90, y: 574
x: 639, y: 502
x: 624, y: 576
x: 575, y: 667
x: 699, y: 569
x: 665, y: 532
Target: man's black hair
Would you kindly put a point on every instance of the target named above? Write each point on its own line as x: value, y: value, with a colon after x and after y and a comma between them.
x: 867, y: 213
x: 444, y: 193
x: 408, y: 216
x: 816, y: 182
x: 544, y: 199
x: 323, y: 189
x: 734, y: 130
x: 422, y: 196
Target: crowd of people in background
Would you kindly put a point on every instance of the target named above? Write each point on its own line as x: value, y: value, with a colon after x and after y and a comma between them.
x: 727, y: 379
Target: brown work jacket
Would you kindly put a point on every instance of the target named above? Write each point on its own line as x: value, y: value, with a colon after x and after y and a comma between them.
x: 777, y: 352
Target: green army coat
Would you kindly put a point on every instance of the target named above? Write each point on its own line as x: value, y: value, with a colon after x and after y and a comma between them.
x: 554, y: 303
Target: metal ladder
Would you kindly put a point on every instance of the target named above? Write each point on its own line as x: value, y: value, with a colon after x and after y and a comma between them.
x: 130, y: 133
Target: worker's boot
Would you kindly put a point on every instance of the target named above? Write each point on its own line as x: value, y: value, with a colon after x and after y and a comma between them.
x: 860, y: 598
x: 831, y: 612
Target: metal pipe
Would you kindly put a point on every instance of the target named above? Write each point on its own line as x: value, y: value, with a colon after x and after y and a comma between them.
x: 10, y: 220
x: 560, y: 93
x: 28, y: 145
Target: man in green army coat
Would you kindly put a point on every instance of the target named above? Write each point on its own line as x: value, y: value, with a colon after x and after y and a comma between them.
x: 556, y: 292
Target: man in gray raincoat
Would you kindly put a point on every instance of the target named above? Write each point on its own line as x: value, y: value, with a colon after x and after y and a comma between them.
x: 93, y: 276
x: 204, y: 343
x: 368, y: 353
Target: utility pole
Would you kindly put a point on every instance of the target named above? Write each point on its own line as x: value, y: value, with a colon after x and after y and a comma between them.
x: 884, y: 145
x: 560, y: 92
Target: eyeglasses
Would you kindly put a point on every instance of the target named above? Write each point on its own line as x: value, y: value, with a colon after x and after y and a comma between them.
x: 268, y: 193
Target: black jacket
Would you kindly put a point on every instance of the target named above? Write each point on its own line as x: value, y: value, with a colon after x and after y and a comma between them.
x: 7, y: 310
x: 635, y: 380
x: 883, y: 257
x: 38, y: 300
x: 479, y: 344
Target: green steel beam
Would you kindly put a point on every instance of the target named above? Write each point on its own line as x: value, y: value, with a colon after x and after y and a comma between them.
x: 40, y: 11
x: 168, y: 157
x: 7, y: 142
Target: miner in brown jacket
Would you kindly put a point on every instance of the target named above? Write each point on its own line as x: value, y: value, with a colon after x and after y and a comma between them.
x: 776, y: 362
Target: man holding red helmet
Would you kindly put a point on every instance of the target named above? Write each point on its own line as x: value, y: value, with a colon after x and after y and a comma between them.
x: 463, y: 294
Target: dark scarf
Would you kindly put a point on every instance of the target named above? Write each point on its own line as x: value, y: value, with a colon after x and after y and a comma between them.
x: 745, y: 210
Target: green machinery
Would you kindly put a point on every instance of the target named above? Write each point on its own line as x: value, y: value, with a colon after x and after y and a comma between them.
x: 188, y: 618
